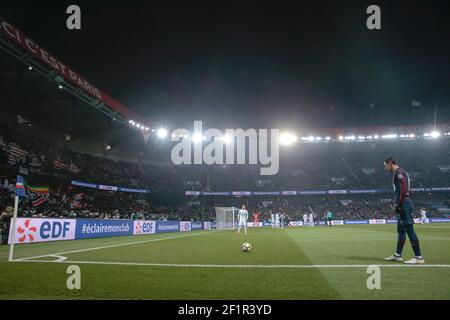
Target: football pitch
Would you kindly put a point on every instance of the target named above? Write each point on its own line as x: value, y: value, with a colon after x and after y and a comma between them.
x: 294, y: 263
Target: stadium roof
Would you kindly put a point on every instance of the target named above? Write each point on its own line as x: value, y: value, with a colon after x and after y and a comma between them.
x: 262, y: 65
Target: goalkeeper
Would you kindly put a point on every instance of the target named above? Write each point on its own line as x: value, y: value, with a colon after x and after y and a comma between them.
x: 242, y: 219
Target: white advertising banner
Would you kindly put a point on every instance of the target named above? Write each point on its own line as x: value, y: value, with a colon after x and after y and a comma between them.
x: 144, y: 227
x: 377, y: 221
x: 185, y: 226
x: 254, y: 224
x: 38, y: 230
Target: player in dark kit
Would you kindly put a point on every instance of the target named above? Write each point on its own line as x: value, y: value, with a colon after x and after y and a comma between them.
x: 404, y: 209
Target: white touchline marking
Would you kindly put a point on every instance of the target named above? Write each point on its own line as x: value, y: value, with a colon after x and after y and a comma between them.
x: 309, y: 266
x: 114, y: 246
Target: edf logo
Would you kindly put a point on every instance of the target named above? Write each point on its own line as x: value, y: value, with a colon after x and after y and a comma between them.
x: 54, y: 229
x: 148, y: 227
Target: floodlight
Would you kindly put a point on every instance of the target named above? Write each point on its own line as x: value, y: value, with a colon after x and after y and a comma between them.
x: 435, y: 134
x: 197, y: 137
x: 161, y: 133
x: 287, y: 138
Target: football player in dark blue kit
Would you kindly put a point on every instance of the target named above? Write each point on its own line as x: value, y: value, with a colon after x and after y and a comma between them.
x: 403, y: 208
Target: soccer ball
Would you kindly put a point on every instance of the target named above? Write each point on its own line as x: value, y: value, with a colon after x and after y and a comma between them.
x: 246, y: 247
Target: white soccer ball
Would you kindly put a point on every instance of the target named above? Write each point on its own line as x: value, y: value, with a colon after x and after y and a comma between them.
x: 246, y: 247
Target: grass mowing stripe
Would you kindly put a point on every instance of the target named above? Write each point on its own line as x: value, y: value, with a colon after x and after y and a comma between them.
x: 214, y: 267
x: 319, y: 280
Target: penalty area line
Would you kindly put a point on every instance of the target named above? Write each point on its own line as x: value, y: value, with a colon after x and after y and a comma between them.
x: 272, y: 266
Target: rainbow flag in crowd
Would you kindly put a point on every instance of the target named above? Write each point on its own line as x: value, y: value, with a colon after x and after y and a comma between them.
x: 42, y: 190
x: 37, y: 195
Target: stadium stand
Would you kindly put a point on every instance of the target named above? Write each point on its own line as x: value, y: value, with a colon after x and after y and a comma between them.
x: 339, y: 166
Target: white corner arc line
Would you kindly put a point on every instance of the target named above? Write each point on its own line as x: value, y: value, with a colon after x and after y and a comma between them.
x: 113, y: 246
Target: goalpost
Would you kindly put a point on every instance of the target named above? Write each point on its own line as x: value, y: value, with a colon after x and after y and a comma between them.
x: 225, y: 217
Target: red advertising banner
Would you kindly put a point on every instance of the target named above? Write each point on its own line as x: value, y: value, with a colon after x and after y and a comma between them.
x: 62, y: 69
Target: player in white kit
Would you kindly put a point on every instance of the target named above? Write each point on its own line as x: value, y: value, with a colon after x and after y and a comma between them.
x: 423, y: 216
x: 277, y: 220
x: 272, y: 220
x: 242, y: 219
x: 311, y: 220
x: 305, y: 219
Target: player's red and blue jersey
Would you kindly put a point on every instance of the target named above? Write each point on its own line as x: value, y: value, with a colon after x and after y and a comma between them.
x: 402, y: 190
x: 402, y: 186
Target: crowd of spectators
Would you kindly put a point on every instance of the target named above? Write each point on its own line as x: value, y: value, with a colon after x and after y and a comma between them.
x: 318, y: 167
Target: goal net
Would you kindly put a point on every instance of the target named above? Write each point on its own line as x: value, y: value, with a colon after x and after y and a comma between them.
x: 225, y: 217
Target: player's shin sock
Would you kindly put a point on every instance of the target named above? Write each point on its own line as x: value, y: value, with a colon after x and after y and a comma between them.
x: 414, y: 241
x: 400, y: 242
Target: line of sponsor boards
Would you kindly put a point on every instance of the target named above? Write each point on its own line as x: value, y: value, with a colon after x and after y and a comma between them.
x: 305, y: 192
x: 30, y: 230
x: 40, y: 229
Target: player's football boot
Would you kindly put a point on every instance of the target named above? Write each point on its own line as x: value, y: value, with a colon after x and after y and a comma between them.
x: 415, y: 261
x: 393, y: 258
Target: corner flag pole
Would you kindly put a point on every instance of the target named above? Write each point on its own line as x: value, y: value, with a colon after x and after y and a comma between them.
x: 12, y: 234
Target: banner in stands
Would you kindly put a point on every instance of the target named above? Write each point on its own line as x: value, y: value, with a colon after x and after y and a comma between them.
x: 266, y: 193
x: 185, y: 226
x: 93, y: 228
x: 377, y: 221
x: 439, y: 220
x: 295, y: 223
x: 207, y: 225
x: 337, y: 222
x: 288, y: 193
x: 144, y: 227
x: 106, y: 187
x: 195, y: 225
x: 254, y: 224
x: 39, y: 230
x: 306, y: 192
x: 356, y: 222
x: 167, y: 226
x: 242, y: 193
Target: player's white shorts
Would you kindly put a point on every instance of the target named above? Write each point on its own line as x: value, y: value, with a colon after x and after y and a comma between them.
x: 242, y: 224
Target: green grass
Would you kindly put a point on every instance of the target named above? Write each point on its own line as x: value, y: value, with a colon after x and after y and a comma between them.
x: 339, y: 245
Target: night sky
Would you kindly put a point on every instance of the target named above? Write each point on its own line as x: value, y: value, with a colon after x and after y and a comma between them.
x: 253, y: 63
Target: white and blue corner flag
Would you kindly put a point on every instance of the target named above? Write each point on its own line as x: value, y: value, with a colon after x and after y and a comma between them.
x: 20, y: 187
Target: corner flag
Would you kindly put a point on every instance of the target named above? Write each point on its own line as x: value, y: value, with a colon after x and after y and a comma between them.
x: 20, y: 187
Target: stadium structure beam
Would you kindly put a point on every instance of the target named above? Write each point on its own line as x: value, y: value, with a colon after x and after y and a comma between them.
x: 22, y: 48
